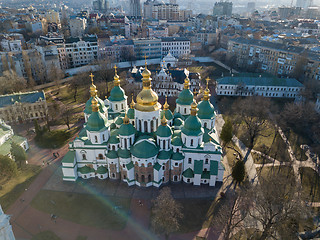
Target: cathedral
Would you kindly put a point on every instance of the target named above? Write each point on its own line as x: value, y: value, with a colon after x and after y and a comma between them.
x: 144, y: 143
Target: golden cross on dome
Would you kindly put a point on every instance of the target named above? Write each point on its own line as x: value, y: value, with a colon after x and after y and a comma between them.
x: 145, y: 59
x: 207, y: 79
x: 115, y: 68
x: 91, y: 76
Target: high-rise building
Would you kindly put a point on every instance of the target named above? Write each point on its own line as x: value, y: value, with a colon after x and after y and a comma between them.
x: 135, y: 8
x: 251, y: 6
x: 304, y: 3
x: 222, y: 8
x: 101, y: 5
x: 165, y: 11
x: 147, y: 8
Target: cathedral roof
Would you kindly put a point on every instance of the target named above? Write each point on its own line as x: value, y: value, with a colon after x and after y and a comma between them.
x: 185, y: 96
x: 192, y: 125
x: 164, y: 155
x: 88, y: 108
x: 97, y: 121
x: 117, y: 94
x: 130, y: 113
x: 112, y: 154
x: 124, y: 153
x: 167, y: 113
x: 164, y: 131
x: 188, y: 173
x: 113, y: 140
x: 102, y: 170
x: 176, y: 141
x: 177, y: 156
x: 144, y: 148
x: 126, y: 130
x: 206, y: 110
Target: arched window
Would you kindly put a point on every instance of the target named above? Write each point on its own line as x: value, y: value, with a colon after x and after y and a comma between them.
x: 185, y: 110
x: 175, y: 178
x: 103, y: 137
x: 152, y: 125
x: 145, y: 126
x: 123, y: 165
x: 142, y: 178
x: 139, y: 125
x: 206, y: 161
x: 113, y: 147
x: 137, y: 177
x: 100, y: 156
x: 96, y: 139
x: 121, y: 105
x: 191, y: 142
x: 149, y: 178
x: 205, y: 125
x: 178, y: 149
x: 113, y: 175
x: 125, y: 143
x: 84, y: 157
x: 162, y: 179
x: 116, y: 106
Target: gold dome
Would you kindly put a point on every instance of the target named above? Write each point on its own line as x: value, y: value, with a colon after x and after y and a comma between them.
x: 132, y: 102
x: 186, y: 83
x: 206, y: 94
x: 147, y: 99
x: 125, y: 119
x: 95, y: 105
x: 116, y: 78
x: 164, y: 121
x: 166, y: 105
x: 194, y: 109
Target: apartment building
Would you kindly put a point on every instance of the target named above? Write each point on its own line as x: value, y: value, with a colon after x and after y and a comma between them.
x: 177, y: 46
x: 165, y: 11
x: 275, y: 58
x: 81, y: 51
x: 117, y: 51
x: 150, y: 47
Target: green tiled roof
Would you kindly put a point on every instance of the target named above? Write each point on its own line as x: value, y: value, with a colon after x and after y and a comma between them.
x: 113, y: 126
x: 119, y: 120
x: 205, y: 175
x: 176, y: 133
x: 157, y: 166
x: 112, y: 154
x: 116, y: 94
x: 129, y: 165
x: 88, y: 108
x: 214, y: 167
x: 177, y: 156
x: 69, y: 157
x: 250, y: 79
x: 127, y: 129
x: 124, y: 153
x: 164, y: 155
x: 167, y: 113
x: 206, y: 110
x: 198, y: 166
x: 96, y: 122
x: 192, y: 126
x: 188, y: 173
x: 177, y: 122
x: 85, y: 170
x: 102, y: 170
x: 185, y: 97
x: 113, y: 140
x: 130, y: 113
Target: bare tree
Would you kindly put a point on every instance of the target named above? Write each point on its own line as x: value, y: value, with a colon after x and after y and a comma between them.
x: 66, y: 115
x: 10, y: 82
x: 166, y: 213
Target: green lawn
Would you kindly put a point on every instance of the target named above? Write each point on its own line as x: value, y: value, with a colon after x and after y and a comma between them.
x: 46, y: 235
x: 84, y: 209
x: 196, y: 213
x: 310, y: 184
x: 12, y: 189
x: 267, y: 172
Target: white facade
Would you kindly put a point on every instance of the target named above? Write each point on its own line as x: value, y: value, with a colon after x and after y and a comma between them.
x: 176, y: 46
x: 77, y: 26
x: 6, y: 232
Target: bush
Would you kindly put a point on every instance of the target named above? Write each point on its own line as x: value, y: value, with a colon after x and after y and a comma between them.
x: 226, y: 132
x: 8, y: 167
x: 53, y: 139
x: 238, y: 171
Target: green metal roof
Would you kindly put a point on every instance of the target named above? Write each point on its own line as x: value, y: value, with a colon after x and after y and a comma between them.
x: 176, y: 133
x: 26, y: 97
x: 214, y: 167
x: 88, y: 108
x: 177, y: 156
x: 192, y: 126
x: 102, y: 170
x: 119, y: 120
x: 112, y: 154
x: 176, y: 141
x: 164, y: 155
x: 188, y: 173
x: 85, y: 170
x: 116, y: 94
x: 167, y: 113
x: 177, y: 115
x: 144, y: 148
x: 206, y: 110
x: 205, y: 175
x: 157, y: 166
x: 113, y: 140
x: 124, y: 153
x: 6, y: 146
x: 177, y: 122
x: 126, y: 130
x: 251, y: 79
x: 69, y: 157
x: 113, y: 126
x: 164, y: 131
x: 185, y: 97
x: 198, y: 166
x: 96, y: 122
x: 130, y: 113
x: 130, y: 165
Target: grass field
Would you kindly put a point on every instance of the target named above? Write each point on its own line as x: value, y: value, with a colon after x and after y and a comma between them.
x: 267, y: 172
x: 13, y: 188
x: 84, y: 209
x: 46, y: 235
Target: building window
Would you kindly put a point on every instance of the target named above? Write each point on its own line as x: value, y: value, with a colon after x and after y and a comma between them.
x: 142, y: 178
x: 176, y: 164
x: 113, y: 175
x: 96, y: 139
x: 149, y: 178
x: 103, y: 137
x: 206, y: 161
x: 163, y: 167
x: 189, y: 160
x: 191, y: 142
x: 100, y: 156
x: 188, y: 180
x: 84, y: 157
x: 123, y: 165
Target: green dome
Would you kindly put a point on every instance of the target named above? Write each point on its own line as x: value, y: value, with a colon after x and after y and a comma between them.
x: 177, y: 122
x: 119, y: 121
x: 116, y: 94
x: 130, y: 113
x: 185, y: 97
x: 113, y: 126
x: 167, y: 113
x: 114, y: 140
x: 112, y: 154
x: 176, y: 141
x: 96, y: 122
x: 126, y: 130
x: 88, y: 108
x: 192, y: 126
x: 102, y: 170
x: 124, y: 153
x: 206, y: 110
x: 164, y: 131
x: 177, y: 115
x: 177, y: 156
x: 163, y: 155
x: 144, y: 148
x: 176, y: 133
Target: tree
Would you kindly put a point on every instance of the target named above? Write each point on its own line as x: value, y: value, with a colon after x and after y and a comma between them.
x: 66, y: 115
x: 18, y: 154
x: 166, y: 213
x: 226, y: 132
x: 251, y: 114
x: 8, y: 168
x: 10, y: 82
x: 277, y: 206
x: 238, y: 171
x: 233, y: 209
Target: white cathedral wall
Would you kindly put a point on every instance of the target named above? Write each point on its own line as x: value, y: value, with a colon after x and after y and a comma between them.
x: 151, y: 119
x: 197, y: 179
x: 212, y: 180
x: 70, y: 174
x: 129, y: 139
x: 191, y: 141
x: 164, y: 143
x: 119, y: 105
x: 91, y: 155
x: 183, y: 109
